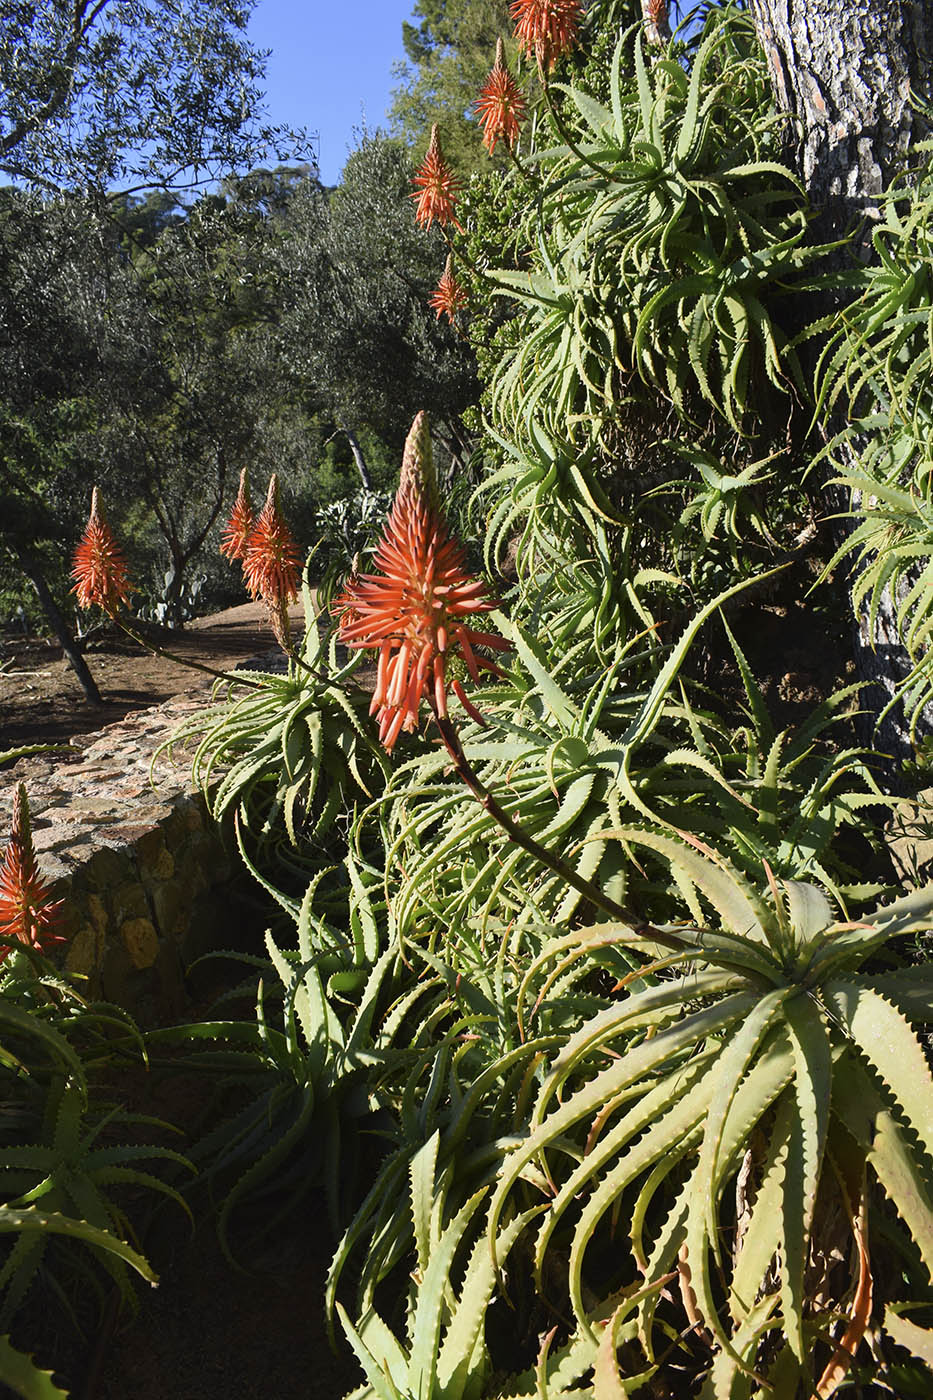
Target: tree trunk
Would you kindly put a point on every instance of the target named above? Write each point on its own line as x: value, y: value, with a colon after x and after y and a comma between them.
x: 30, y: 567
x: 847, y: 72
x: 358, y: 457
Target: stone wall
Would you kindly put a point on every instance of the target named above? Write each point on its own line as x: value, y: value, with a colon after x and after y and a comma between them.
x: 144, y: 871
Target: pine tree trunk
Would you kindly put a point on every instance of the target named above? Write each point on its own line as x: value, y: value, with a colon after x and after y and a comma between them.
x: 847, y: 71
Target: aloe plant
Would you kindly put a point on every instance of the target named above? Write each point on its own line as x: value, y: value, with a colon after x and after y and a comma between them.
x: 286, y: 754
x: 444, y: 1353
x: 67, y: 1154
x: 662, y: 239
x: 875, y: 372
x: 572, y: 761
x: 69, y: 1174
x: 771, y: 1052
x: 331, y: 1017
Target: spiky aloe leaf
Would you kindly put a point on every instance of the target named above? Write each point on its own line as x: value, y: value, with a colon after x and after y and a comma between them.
x: 734, y: 902
x: 731, y: 1378
x: 608, y: 1383
x: 425, y: 1333
x: 803, y: 1157
x: 652, y: 1107
x: 53, y: 1222
x: 265, y: 1164
x: 16, y: 1018
x: 457, y: 1359
x: 762, y: 1235
x: 901, y: 1174
x: 654, y: 1006
x: 757, y: 1090
x: 661, y: 1260
x: 422, y: 1176
x: 889, y: 1045
x: 24, y: 1377
x: 558, y: 1375
x: 378, y: 1352
x: 728, y: 1074
x: 639, y: 1063
x: 917, y: 1340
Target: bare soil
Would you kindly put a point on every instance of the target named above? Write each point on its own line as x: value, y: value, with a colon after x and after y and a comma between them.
x: 41, y: 701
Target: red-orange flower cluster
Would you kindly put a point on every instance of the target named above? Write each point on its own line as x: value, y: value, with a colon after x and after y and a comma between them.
x: 237, y: 529
x: 435, y: 187
x: 99, y: 568
x: 28, y: 914
x: 272, y: 564
x: 448, y: 296
x: 657, y: 23
x: 500, y: 105
x: 546, y: 28
x: 414, y: 611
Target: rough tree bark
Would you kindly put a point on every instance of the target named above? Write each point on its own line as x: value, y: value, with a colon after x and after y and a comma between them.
x: 849, y: 72
x: 30, y: 567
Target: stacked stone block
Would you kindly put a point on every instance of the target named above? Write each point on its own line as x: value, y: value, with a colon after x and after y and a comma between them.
x: 143, y: 869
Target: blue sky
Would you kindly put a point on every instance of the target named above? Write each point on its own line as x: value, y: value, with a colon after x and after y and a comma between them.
x: 331, y: 64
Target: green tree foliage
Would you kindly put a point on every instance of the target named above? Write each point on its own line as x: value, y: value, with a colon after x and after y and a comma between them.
x: 357, y: 330
x: 157, y: 348
x: 133, y: 359
x: 130, y: 93
x: 449, y: 56
x: 53, y: 351
x: 143, y: 92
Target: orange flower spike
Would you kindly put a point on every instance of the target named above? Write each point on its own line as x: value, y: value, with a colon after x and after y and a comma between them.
x: 28, y: 914
x: 546, y: 28
x: 656, y: 21
x: 415, y: 609
x: 238, y: 528
x: 436, y: 187
x: 448, y: 296
x: 272, y: 564
x: 500, y: 105
x: 99, y: 568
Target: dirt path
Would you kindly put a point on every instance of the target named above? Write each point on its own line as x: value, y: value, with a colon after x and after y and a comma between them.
x: 42, y: 703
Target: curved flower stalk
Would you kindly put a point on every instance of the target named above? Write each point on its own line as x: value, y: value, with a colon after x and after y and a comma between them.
x: 238, y: 528
x: 436, y: 187
x: 448, y: 296
x: 546, y: 29
x: 272, y: 565
x: 99, y: 568
x: 415, y: 611
x: 414, y: 614
x: 28, y: 912
x: 501, y: 105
